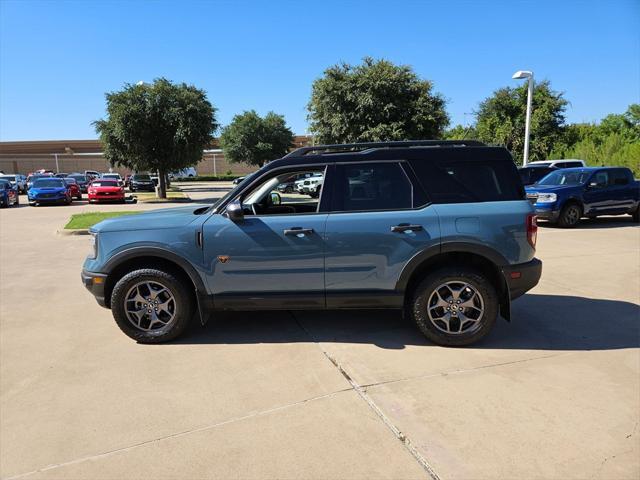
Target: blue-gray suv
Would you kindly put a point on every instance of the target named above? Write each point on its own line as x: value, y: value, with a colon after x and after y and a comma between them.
x: 440, y: 230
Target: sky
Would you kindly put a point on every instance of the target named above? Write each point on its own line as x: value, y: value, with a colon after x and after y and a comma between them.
x: 58, y: 58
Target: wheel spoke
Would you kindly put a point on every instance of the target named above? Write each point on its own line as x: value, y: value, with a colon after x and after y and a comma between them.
x: 459, y: 312
x: 150, y: 306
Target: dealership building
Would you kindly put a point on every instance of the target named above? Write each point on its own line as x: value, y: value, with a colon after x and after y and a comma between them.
x: 80, y: 155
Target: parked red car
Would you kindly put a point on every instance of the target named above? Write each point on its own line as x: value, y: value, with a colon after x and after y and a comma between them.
x: 74, y: 188
x: 102, y: 190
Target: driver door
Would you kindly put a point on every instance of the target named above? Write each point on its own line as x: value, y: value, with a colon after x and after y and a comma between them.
x: 273, y: 258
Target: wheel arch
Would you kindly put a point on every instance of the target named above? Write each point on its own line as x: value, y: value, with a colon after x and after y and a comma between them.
x: 482, y: 258
x: 149, y: 257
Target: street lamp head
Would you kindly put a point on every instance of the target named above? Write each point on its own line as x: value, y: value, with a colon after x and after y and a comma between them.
x: 520, y: 74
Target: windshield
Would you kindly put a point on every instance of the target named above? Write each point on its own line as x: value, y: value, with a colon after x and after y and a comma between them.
x: 69, y: 180
x: 9, y: 178
x: 105, y: 183
x: 49, y: 183
x: 141, y: 177
x: 79, y: 178
x: 111, y: 175
x: 565, y: 177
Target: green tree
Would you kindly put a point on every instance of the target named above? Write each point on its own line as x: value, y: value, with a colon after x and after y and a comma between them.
x: 254, y: 140
x: 501, y: 120
x: 374, y: 101
x: 615, y: 140
x: 160, y: 127
x: 460, y: 132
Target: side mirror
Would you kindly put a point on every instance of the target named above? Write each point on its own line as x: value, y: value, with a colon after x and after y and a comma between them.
x: 276, y: 199
x: 234, y: 211
x: 593, y: 185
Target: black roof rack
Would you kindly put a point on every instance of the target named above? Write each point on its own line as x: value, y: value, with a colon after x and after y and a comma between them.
x: 359, y: 147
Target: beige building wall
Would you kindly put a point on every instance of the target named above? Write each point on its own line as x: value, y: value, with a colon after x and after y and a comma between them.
x: 80, y: 155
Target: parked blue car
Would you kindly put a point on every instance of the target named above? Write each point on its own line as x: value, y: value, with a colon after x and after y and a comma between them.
x: 439, y: 230
x: 8, y: 194
x: 49, y: 190
x: 565, y: 196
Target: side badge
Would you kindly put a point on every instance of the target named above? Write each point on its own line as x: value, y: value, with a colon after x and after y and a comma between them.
x: 223, y: 258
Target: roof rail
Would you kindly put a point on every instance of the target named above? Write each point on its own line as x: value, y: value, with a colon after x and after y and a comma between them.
x: 350, y: 147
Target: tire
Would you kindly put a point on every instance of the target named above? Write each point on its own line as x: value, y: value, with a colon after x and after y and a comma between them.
x: 444, y: 286
x: 183, y: 305
x: 570, y: 215
x: 17, y: 202
x: 636, y: 215
x: 5, y: 203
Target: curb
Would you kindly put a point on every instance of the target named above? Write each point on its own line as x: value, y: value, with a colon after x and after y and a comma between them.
x: 76, y: 231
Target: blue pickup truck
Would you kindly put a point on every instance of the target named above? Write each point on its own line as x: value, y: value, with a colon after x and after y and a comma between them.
x: 565, y: 196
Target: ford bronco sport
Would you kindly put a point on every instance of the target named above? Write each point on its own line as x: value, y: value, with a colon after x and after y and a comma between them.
x: 438, y: 229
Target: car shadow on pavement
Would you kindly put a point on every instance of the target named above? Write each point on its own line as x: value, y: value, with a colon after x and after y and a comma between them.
x: 592, y: 223
x: 539, y: 322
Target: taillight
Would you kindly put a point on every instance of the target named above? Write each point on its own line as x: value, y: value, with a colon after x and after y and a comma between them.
x: 532, y: 230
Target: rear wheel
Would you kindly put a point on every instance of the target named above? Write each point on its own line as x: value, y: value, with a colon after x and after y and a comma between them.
x: 455, y: 306
x: 151, y: 306
x: 570, y: 215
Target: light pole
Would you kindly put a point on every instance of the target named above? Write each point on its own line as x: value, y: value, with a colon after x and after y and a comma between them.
x: 520, y: 74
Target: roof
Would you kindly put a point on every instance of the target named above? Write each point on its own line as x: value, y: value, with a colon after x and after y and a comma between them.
x: 431, y: 150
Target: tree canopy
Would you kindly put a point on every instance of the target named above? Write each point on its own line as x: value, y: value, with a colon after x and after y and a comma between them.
x: 501, y: 119
x: 159, y: 127
x: 615, y: 140
x: 374, y: 101
x: 254, y: 140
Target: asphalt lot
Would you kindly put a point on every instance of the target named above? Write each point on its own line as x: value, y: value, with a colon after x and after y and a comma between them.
x: 553, y: 394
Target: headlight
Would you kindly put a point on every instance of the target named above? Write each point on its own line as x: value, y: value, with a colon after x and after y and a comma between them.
x: 546, y: 198
x: 94, y: 245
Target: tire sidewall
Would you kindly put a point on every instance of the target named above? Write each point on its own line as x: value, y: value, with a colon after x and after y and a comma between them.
x: 424, y: 290
x: 184, y: 305
x: 563, y: 215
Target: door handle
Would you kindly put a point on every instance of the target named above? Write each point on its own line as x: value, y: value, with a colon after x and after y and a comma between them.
x: 404, y: 227
x: 298, y: 231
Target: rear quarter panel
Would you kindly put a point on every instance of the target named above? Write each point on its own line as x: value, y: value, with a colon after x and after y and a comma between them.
x: 500, y: 226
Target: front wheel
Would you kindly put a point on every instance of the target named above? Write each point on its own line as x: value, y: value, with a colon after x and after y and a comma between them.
x: 151, y: 306
x: 455, y: 306
x: 570, y: 215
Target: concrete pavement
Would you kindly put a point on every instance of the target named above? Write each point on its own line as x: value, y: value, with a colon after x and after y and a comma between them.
x: 554, y: 394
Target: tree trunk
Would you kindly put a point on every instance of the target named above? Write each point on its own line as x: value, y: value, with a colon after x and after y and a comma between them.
x: 162, y: 184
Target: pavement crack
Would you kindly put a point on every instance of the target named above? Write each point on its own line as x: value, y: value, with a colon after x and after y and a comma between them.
x: 175, y: 435
x: 462, y: 370
x: 362, y: 393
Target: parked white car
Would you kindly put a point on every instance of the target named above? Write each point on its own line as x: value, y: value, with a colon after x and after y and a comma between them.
x: 184, y: 173
x: 566, y: 163
x: 17, y: 181
x: 113, y: 176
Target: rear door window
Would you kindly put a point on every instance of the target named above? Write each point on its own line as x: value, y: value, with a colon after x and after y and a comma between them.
x: 372, y: 186
x: 618, y: 177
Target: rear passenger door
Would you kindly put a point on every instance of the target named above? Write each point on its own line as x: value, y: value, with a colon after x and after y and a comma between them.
x: 379, y: 219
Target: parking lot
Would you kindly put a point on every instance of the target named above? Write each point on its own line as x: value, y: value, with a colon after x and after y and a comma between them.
x: 553, y: 394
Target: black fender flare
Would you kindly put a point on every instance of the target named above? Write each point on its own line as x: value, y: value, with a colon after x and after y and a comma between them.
x: 202, y: 297
x: 488, y: 253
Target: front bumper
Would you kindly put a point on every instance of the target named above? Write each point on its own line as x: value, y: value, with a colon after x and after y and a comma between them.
x: 106, y: 198
x: 547, y: 211
x: 95, y: 282
x: 522, y: 277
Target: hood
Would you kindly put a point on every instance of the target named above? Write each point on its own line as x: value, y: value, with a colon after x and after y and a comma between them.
x: 153, y: 220
x: 551, y: 188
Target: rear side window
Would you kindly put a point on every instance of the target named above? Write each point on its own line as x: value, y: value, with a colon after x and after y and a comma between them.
x: 372, y: 186
x: 618, y: 177
x: 466, y: 182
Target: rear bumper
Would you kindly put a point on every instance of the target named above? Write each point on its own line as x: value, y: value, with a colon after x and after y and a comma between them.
x: 522, y: 277
x: 95, y: 282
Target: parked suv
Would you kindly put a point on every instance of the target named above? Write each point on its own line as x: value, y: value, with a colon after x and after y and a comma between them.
x: 438, y: 229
